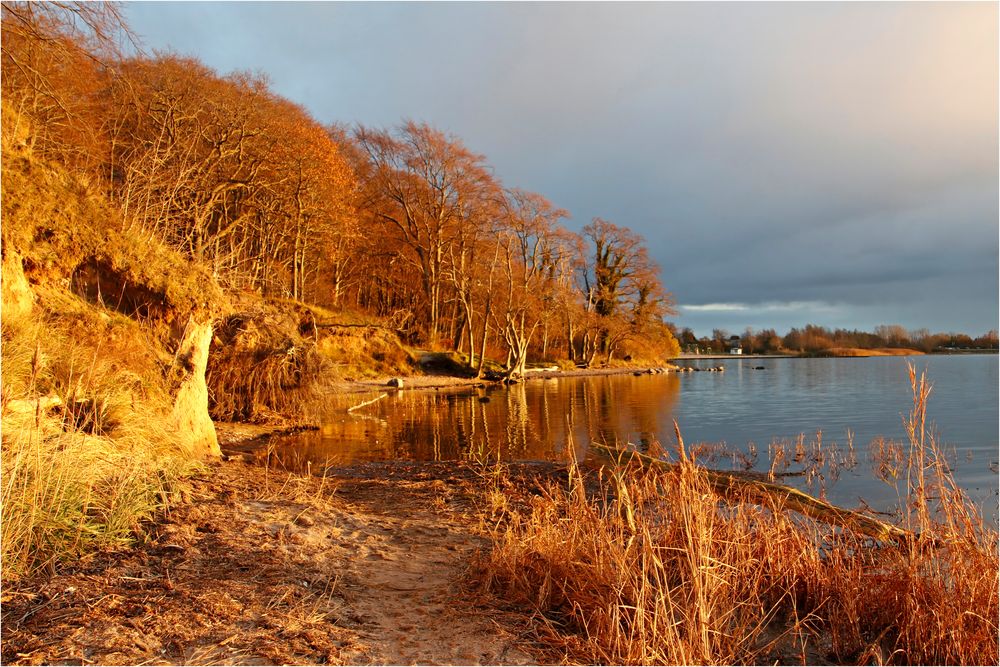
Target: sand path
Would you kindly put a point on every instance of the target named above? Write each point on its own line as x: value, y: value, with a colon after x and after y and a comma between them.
x: 262, y: 567
x: 403, y: 580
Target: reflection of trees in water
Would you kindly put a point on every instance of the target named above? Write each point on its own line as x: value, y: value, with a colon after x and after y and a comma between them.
x: 555, y: 420
x: 619, y: 409
x: 472, y: 432
x: 538, y: 420
x: 651, y: 418
x: 430, y: 427
x: 517, y: 420
x: 535, y: 420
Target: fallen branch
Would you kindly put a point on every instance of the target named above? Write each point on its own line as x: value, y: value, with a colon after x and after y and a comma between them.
x: 361, y: 405
x: 736, y: 486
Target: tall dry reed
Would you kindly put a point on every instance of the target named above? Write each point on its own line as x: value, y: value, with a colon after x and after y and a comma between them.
x: 651, y: 567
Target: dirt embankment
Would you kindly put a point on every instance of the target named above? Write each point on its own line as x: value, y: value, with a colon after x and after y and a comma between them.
x: 258, y: 566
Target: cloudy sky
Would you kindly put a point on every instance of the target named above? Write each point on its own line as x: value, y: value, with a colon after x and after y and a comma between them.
x: 787, y: 163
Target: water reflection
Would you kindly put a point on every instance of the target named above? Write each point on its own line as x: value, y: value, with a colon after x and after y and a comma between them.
x: 738, y: 419
x: 537, y: 421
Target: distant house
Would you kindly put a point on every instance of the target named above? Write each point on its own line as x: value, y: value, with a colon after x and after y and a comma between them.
x: 735, y: 347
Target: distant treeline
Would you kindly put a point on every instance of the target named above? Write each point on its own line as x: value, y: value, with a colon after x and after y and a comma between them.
x: 814, y: 339
x: 403, y: 223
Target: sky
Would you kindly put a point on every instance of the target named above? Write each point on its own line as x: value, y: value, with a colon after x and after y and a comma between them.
x: 787, y: 163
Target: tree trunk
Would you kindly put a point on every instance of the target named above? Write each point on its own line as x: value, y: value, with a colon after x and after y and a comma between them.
x: 486, y: 331
x: 570, y: 346
x: 458, y: 327
x: 190, y: 415
x: 472, y: 344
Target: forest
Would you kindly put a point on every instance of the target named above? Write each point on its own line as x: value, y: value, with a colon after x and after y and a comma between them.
x: 405, y: 224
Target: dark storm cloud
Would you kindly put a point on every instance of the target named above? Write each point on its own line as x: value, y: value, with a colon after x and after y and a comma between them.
x: 840, y: 159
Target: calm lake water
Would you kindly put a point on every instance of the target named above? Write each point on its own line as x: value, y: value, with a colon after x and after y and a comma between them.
x: 817, y: 416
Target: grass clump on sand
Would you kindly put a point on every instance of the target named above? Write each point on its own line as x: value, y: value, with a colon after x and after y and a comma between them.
x: 652, y: 567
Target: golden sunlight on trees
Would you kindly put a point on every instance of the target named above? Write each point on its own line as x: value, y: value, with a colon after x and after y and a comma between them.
x: 405, y: 223
x: 424, y: 188
x: 493, y: 265
x: 57, y: 60
x: 529, y: 257
x: 622, y: 290
x: 230, y: 174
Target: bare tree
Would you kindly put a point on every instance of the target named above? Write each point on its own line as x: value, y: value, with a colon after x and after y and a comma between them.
x: 421, y: 186
x: 57, y: 58
x: 621, y: 287
x: 527, y: 251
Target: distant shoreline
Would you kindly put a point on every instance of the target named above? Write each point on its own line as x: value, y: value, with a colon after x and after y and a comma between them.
x: 442, y: 381
x: 689, y: 357
x: 856, y: 354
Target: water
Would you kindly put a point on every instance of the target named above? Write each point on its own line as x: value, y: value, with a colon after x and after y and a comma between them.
x: 836, y: 406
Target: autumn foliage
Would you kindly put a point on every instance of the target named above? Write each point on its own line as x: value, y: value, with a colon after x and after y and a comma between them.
x: 405, y: 223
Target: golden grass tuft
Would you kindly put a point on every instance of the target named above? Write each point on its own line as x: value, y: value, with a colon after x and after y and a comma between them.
x: 86, y: 389
x: 86, y: 457
x: 67, y: 492
x: 652, y: 567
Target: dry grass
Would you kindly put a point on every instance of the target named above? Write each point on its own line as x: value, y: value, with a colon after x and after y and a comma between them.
x: 816, y: 461
x: 270, y: 363
x: 261, y: 369
x: 634, y: 580
x: 66, y: 492
x: 651, y: 567
x: 566, y: 364
x: 85, y: 455
x: 359, y: 352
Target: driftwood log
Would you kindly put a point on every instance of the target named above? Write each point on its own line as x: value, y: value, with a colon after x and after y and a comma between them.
x: 734, y: 485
